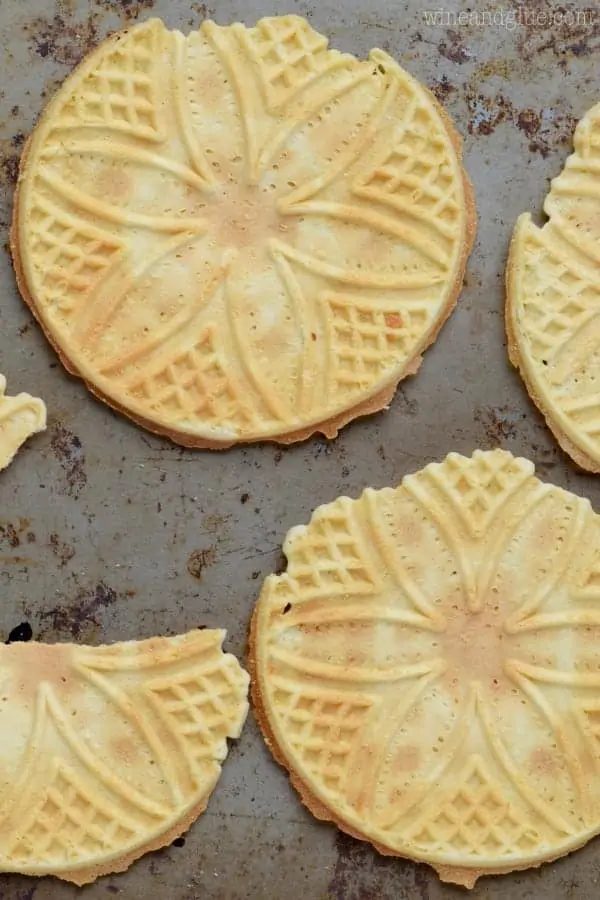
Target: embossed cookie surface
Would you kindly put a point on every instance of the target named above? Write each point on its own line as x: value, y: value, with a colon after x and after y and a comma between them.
x: 109, y: 752
x: 553, y: 300
x: 20, y: 418
x: 241, y: 234
x: 428, y: 667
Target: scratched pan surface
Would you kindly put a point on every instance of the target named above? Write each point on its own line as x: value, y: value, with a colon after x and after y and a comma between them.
x: 108, y: 533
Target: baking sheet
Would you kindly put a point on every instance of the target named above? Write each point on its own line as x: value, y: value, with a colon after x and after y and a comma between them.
x: 109, y: 533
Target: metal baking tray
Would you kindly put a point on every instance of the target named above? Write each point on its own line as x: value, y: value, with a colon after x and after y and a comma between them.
x: 109, y: 533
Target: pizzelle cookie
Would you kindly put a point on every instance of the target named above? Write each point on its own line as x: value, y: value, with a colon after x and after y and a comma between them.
x: 428, y: 667
x: 553, y: 301
x: 110, y: 752
x: 240, y: 234
x: 20, y: 418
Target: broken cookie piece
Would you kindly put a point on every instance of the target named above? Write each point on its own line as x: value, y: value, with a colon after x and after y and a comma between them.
x: 20, y: 418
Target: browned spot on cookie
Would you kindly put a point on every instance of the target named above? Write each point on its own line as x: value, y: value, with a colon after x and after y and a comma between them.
x: 393, y: 320
x: 125, y: 749
x: 78, y: 616
x: 32, y: 664
x: 113, y: 183
x: 545, y: 761
x: 199, y: 560
x: 406, y: 759
x: 61, y: 549
x: 408, y: 531
x: 68, y: 450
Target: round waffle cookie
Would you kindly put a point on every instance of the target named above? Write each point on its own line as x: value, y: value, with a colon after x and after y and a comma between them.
x: 428, y: 667
x: 241, y: 234
x: 110, y: 752
x: 553, y: 301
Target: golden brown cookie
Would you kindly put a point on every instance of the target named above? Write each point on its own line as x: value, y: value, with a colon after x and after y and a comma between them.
x: 20, y: 418
x: 553, y: 301
x: 428, y: 667
x: 241, y: 234
x: 110, y: 752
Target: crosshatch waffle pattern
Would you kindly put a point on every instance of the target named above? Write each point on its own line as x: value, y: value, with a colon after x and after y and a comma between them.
x: 72, y: 255
x: 553, y: 301
x: 196, y: 385
x: 425, y: 667
x: 122, y: 89
x: 306, y: 210
x: 20, y: 418
x: 122, y: 748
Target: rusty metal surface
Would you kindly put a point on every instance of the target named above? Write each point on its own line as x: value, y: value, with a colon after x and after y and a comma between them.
x: 108, y: 533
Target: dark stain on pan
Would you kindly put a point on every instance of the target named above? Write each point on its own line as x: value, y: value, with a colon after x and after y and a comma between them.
x: 67, y: 42
x: 9, y: 163
x: 129, y: 9
x: 61, y: 549
x: 498, y: 422
x: 545, y: 461
x: 9, y: 158
x: 62, y: 41
x: 9, y: 535
x: 408, y: 405
x: 529, y: 121
x: 546, y: 130
x: 486, y: 113
x: 28, y: 893
x: 544, y: 134
x: 361, y: 873
x: 545, y: 28
x: 12, y: 533
x: 75, y: 617
x: 199, y: 560
x: 68, y: 450
x: 452, y: 48
x: 49, y: 90
x: 442, y: 88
